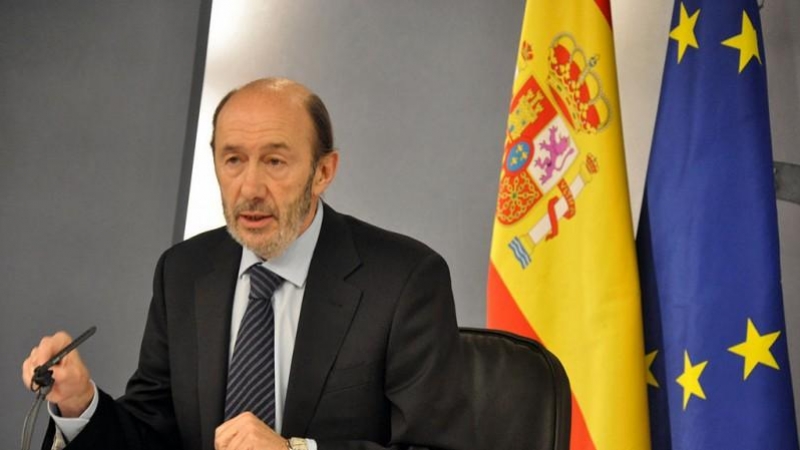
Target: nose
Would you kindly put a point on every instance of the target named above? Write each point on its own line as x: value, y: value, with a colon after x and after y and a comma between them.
x: 254, y: 186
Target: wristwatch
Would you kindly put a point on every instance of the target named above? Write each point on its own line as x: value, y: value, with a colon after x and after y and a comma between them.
x: 296, y: 444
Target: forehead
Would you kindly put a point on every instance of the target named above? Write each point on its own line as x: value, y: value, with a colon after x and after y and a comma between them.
x: 255, y: 115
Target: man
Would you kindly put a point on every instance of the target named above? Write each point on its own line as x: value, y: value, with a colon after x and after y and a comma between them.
x: 365, y: 352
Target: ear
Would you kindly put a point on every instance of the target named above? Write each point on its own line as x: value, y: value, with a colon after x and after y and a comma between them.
x: 325, y: 173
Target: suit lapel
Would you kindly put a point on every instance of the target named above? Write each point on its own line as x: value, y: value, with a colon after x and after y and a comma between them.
x: 214, y: 301
x: 329, y: 304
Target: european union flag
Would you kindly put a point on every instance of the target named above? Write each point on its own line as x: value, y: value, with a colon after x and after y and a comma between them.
x: 715, y: 335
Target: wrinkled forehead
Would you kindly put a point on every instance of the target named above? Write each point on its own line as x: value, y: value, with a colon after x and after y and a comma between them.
x: 266, y: 99
x: 257, y: 114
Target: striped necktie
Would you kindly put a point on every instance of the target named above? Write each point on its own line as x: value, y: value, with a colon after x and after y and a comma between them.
x: 251, y: 375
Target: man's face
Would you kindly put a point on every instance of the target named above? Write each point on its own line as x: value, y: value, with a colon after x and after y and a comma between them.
x: 263, y: 158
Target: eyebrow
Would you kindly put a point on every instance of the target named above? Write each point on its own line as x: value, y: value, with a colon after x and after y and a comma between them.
x: 269, y: 146
x: 275, y: 146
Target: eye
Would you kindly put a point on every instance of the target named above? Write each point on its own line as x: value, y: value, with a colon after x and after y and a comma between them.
x: 232, y: 160
x: 275, y: 162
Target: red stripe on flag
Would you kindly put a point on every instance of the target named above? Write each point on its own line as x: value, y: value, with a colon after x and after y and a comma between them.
x: 579, y: 438
x: 502, y: 312
x: 605, y: 8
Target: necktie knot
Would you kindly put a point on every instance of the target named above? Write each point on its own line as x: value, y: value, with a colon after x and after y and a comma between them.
x: 263, y: 282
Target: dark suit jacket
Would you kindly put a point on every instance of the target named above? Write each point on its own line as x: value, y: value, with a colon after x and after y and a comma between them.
x: 376, y: 361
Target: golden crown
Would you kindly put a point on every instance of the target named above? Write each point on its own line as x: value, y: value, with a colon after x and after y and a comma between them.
x: 576, y: 86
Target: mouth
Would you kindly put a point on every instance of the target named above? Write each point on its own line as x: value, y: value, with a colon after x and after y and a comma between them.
x: 254, y: 219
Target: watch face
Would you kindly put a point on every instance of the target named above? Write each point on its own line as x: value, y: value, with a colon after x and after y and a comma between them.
x: 297, y: 444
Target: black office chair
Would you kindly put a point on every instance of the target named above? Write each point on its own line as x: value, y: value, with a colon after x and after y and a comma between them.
x: 520, y: 392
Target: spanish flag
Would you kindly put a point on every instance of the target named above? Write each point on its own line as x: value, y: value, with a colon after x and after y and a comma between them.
x: 563, y: 264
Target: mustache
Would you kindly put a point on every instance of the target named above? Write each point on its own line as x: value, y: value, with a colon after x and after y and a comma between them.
x: 255, y: 207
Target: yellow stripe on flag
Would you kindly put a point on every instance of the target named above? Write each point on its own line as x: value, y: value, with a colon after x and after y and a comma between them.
x: 562, y: 247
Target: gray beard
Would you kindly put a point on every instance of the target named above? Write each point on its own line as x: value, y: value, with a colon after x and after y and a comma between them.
x: 288, y: 226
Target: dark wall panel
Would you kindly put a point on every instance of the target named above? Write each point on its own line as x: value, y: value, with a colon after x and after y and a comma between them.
x: 94, y: 102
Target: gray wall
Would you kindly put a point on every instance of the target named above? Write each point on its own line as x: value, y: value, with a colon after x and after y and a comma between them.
x: 94, y: 102
x: 780, y: 21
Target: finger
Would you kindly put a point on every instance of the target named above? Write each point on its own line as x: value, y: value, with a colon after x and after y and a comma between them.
x: 238, y: 441
x: 232, y: 423
x: 62, y: 338
x: 41, y: 353
x: 27, y: 373
x: 59, y: 374
x: 221, y: 441
x: 67, y: 377
x: 223, y: 435
x: 45, y: 350
x: 53, y: 344
x: 69, y: 360
x: 231, y: 428
x: 71, y: 376
x: 45, y: 345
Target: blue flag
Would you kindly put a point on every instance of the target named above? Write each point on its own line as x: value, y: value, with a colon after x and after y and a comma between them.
x: 718, y: 370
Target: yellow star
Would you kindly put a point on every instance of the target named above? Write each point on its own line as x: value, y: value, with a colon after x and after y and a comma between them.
x: 755, y: 349
x: 684, y: 32
x: 648, y: 364
x: 690, y: 379
x: 746, y: 42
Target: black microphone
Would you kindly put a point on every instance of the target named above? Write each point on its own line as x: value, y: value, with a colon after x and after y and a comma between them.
x: 42, y: 375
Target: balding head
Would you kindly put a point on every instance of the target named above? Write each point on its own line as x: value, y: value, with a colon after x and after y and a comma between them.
x: 271, y: 165
x: 294, y: 92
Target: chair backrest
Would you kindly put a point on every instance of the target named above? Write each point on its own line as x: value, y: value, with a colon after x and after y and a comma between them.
x: 519, y: 390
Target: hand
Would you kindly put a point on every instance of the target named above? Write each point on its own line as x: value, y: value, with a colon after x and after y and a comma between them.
x: 72, y: 389
x: 247, y: 432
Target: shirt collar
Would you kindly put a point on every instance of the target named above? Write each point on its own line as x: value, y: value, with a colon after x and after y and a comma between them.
x: 292, y: 265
